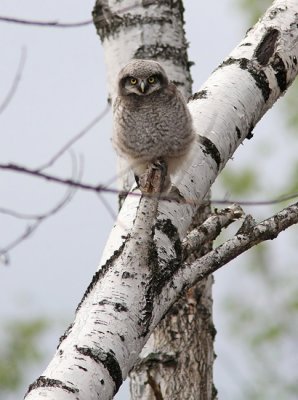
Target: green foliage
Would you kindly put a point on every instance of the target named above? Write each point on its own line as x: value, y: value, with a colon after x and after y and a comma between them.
x: 292, y: 185
x: 18, y: 350
x: 292, y: 106
x: 239, y: 182
x: 254, y: 8
x: 263, y: 316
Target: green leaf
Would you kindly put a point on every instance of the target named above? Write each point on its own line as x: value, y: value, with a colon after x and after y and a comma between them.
x: 239, y: 182
x: 19, y: 348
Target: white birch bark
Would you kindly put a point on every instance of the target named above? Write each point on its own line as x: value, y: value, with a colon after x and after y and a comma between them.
x: 154, y: 29
x: 141, y: 274
x: 142, y: 29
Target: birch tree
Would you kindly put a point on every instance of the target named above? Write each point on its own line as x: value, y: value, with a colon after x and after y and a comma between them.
x: 154, y: 254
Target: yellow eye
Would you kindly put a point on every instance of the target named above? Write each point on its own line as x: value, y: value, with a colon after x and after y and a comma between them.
x: 133, y: 81
x: 151, y: 80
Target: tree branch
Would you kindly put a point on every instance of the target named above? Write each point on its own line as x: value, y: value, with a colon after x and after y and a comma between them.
x: 74, y: 139
x: 210, y: 229
x: 36, y: 172
x: 268, y: 229
x: 48, y: 24
x: 15, y: 82
x: 57, y: 24
x: 32, y: 227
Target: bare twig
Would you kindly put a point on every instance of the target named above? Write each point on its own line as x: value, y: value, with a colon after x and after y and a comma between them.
x: 38, y: 220
x: 107, y: 206
x: 18, y: 215
x: 57, y: 24
x: 68, y: 182
x: 210, y: 229
x: 15, y: 81
x: 103, y: 188
x: 266, y: 230
x: 73, y: 140
x: 49, y: 24
x: 277, y: 200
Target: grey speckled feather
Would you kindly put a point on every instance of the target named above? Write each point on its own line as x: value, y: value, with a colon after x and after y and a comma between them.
x: 151, y: 118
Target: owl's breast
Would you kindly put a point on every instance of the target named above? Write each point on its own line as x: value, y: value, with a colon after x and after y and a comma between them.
x: 151, y: 126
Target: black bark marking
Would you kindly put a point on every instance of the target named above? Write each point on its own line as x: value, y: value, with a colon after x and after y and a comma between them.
x: 164, y: 274
x: 127, y: 275
x: 280, y: 72
x: 166, y: 226
x: 266, y: 47
x: 210, y: 149
x: 117, y: 306
x: 160, y: 273
x: 108, y: 23
x: 250, y: 133
x: 202, y: 94
x: 258, y: 75
x: 108, y: 360
x: 101, y: 273
x: 146, y: 312
x: 122, y: 338
x: 163, y: 52
x: 64, y: 336
x: 238, y: 132
x: 295, y: 60
x: 79, y: 366
x: 43, y: 381
x: 277, y: 10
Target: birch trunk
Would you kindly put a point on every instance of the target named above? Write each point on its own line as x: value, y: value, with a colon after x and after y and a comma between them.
x: 141, y: 273
x: 156, y: 32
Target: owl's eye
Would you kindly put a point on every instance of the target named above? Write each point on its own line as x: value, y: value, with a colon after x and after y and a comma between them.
x: 133, y: 81
x: 151, y: 80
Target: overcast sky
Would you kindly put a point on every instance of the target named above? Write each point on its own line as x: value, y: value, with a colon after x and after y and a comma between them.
x: 62, y: 89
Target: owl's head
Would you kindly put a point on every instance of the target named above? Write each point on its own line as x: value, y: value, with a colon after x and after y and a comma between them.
x: 141, y: 77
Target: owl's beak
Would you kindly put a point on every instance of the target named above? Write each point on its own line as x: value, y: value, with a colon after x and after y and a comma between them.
x: 142, y: 86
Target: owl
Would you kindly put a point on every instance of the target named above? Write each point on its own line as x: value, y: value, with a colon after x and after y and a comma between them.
x: 151, y: 121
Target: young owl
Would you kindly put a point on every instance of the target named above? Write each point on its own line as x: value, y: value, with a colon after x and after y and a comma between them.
x: 151, y: 119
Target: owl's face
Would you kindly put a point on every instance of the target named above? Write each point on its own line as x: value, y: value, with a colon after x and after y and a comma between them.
x: 141, y: 77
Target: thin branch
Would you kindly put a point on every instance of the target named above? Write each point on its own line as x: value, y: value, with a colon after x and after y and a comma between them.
x: 277, y: 200
x: 39, y: 219
x: 268, y: 229
x: 57, y: 24
x: 15, y: 82
x: 103, y: 188
x: 18, y: 215
x: 107, y: 206
x: 210, y: 229
x: 73, y: 140
x: 69, y: 182
x: 49, y: 24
